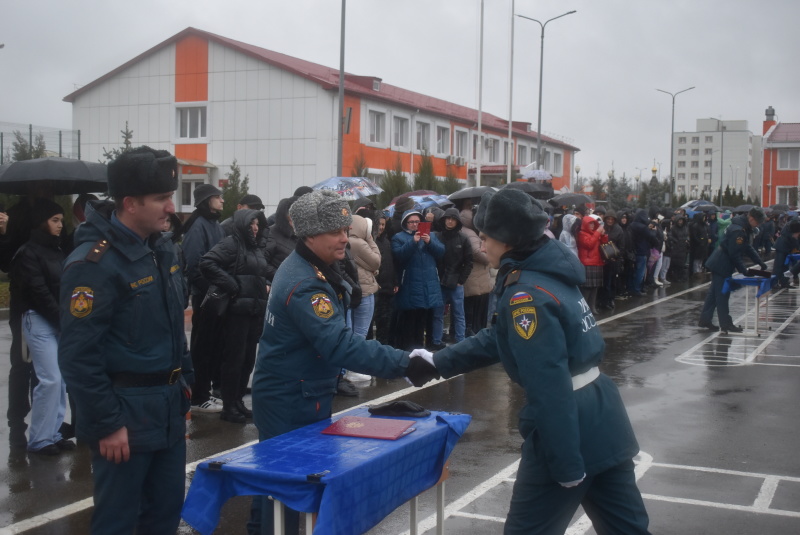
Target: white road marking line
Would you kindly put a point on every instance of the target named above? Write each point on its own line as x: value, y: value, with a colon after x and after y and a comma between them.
x: 479, y: 517
x: 742, y: 508
x: 651, y: 304
x: 774, y: 335
x: 767, y: 492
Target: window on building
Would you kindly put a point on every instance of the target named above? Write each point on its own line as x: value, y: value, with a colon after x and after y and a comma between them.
x: 695, y: 176
x: 505, y: 152
x: 546, y: 159
x: 708, y: 151
x: 442, y: 140
x: 681, y: 190
x: 400, y: 131
x: 681, y: 163
x: 192, y: 122
x: 377, y: 127
x: 789, y: 159
x: 475, y: 151
x: 681, y: 176
x: 522, y: 155
x: 462, y: 149
x: 707, y: 176
x: 706, y: 189
x: 187, y: 187
x: 493, y: 149
x: 423, y: 136
x: 695, y: 164
x: 707, y: 163
x: 695, y: 139
x: 709, y: 139
x: 557, y: 164
x: 695, y: 152
x: 681, y: 152
x: 682, y: 139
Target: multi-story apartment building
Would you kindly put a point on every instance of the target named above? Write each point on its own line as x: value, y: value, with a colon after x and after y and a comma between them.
x: 210, y: 100
x: 781, y: 161
x: 717, y: 155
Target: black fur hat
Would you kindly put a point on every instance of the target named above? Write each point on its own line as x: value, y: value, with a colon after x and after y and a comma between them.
x: 510, y: 216
x: 142, y: 171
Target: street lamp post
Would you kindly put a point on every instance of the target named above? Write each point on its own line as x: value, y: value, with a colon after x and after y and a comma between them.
x: 577, y: 177
x: 541, y: 72
x: 672, y: 138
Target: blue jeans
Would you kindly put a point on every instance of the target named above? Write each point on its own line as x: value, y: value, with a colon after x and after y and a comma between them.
x: 362, y: 315
x: 639, y: 273
x: 455, y: 297
x: 50, y: 395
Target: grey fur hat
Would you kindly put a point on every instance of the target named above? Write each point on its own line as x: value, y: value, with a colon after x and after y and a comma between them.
x: 319, y: 212
x: 758, y: 214
x: 510, y: 216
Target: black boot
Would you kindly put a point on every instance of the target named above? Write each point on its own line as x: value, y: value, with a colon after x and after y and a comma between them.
x: 243, y: 409
x: 230, y: 413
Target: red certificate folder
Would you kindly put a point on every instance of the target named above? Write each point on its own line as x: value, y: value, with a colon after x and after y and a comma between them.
x: 359, y: 426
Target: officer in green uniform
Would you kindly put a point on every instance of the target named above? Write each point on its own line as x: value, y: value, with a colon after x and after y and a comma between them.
x: 306, y: 343
x: 123, y: 350
x: 736, y: 243
x: 578, y: 442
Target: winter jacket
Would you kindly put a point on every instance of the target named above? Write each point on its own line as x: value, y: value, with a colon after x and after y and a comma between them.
x: 281, y: 240
x: 615, y: 234
x: 698, y: 237
x: 387, y: 275
x: 566, y: 236
x: 455, y: 265
x: 479, y: 282
x: 365, y: 253
x: 416, y: 266
x: 237, y: 266
x: 736, y: 243
x: 544, y: 335
x: 200, y: 238
x: 678, y: 239
x: 589, y: 240
x: 36, y: 275
x: 644, y: 238
x: 723, y: 222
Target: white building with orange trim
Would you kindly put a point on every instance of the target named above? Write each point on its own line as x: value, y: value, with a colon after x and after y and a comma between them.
x: 211, y: 100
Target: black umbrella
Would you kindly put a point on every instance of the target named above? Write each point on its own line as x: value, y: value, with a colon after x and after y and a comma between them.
x: 706, y: 208
x: 742, y: 208
x: 780, y: 207
x: 475, y: 192
x: 570, y: 199
x: 66, y: 176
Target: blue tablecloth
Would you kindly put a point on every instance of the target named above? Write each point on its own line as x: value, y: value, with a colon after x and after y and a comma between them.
x: 791, y: 259
x: 367, y: 478
x: 764, y: 284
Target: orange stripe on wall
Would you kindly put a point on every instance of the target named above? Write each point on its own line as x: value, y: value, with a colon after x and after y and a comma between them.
x: 191, y: 70
x: 192, y: 152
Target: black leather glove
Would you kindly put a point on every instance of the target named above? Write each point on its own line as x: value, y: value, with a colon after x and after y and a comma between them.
x: 420, y: 371
x: 763, y: 266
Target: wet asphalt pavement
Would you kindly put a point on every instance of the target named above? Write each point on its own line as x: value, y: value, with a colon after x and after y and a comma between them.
x: 717, y: 417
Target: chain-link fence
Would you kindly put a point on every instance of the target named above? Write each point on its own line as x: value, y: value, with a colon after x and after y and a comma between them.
x: 46, y: 140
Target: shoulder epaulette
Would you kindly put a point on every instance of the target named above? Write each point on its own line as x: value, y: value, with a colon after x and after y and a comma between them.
x: 512, y: 277
x: 97, y: 251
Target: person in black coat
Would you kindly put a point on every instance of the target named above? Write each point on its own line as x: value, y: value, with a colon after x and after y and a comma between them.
x: 698, y: 242
x: 388, y: 286
x: 36, y: 273
x: 678, y: 246
x: 281, y: 240
x: 785, y: 245
x: 237, y: 266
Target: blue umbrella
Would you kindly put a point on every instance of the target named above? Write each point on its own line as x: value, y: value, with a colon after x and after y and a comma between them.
x: 350, y: 188
x: 424, y: 201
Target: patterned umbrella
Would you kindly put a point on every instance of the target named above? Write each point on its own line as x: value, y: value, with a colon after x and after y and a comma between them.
x: 539, y: 175
x: 424, y: 201
x: 350, y: 188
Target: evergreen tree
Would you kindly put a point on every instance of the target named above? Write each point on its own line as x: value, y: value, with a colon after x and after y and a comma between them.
x: 360, y: 166
x: 393, y: 183
x: 598, y: 189
x: 234, y: 189
x: 450, y: 184
x: 22, y: 150
x: 425, y: 178
x: 113, y: 154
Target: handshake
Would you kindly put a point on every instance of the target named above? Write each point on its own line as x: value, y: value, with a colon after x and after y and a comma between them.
x: 421, y: 368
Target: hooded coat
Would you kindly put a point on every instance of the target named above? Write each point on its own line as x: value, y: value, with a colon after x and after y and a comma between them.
x: 589, y: 240
x: 566, y: 236
x: 698, y: 237
x: 678, y: 239
x: 415, y: 263
x: 237, y: 265
x: 365, y: 253
x: 479, y: 282
x: 543, y: 336
x: 643, y: 237
x: 281, y: 240
x: 455, y: 265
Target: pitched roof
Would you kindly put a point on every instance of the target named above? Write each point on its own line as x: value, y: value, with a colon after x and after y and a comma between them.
x: 785, y: 133
x: 328, y: 78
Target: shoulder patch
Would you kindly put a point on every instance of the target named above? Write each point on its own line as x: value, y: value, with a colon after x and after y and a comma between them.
x: 519, y: 298
x: 322, y: 305
x: 524, y: 321
x: 80, y: 305
x: 512, y: 277
x: 97, y: 251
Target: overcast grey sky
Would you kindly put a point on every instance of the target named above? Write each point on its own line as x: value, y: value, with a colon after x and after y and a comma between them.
x: 602, y: 64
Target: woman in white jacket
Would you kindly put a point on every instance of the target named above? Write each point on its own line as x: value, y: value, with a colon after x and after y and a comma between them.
x: 566, y: 236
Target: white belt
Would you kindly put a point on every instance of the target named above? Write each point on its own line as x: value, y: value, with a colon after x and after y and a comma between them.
x: 583, y: 379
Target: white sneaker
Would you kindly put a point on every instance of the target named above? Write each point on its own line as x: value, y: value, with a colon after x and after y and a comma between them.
x: 357, y: 377
x: 207, y: 407
x: 788, y: 274
x: 659, y: 284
